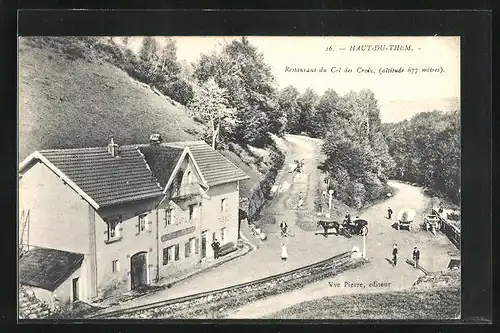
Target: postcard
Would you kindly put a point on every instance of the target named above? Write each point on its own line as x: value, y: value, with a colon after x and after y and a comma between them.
x: 239, y: 177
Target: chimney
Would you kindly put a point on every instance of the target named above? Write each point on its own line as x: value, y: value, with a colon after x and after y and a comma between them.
x: 113, y: 148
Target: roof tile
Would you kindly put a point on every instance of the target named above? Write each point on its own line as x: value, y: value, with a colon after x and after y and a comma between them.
x: 215, y: 168
x: 47, y: 268
x: 106, y: 179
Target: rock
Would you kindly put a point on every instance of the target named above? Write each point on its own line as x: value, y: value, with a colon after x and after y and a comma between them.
x: 32, y: 316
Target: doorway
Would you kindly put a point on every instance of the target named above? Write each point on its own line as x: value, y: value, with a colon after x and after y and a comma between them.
x: 76, y: 290
x: 138, y: 271
x: 204, y: 244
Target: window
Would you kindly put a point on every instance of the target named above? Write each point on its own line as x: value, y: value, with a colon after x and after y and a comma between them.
x: 113, y: 230
x: 176, y: 252
x: 143, y: 222
x: 168, y: 216
x: 196, y: 246
x: 191, y: 212
x: 168, y: 254
x: 223, y: 205
x: 222, y: 235
x: 115, y: 266
x: 189, y: 177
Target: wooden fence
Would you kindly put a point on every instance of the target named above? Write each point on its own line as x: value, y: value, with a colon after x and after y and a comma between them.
x: 451, y: 231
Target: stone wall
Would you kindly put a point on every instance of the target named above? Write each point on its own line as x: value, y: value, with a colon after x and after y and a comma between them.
x: 31, y: 307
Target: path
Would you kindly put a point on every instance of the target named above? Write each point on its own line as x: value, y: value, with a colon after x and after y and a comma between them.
x: 436, y: 252
x: 306, y: 247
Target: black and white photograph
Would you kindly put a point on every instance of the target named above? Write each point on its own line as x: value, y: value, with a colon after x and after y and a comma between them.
x: 239, y: 177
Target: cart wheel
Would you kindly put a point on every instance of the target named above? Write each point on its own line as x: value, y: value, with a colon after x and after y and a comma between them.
x: 364, y: 231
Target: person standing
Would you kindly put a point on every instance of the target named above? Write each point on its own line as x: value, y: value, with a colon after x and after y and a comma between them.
x: 348, y: 217
x: 389, y: 213
x: 216, y: 247
x: 395, y: 254
x: 416, y: 256
x: 284, y: 253
x: 283, y: 227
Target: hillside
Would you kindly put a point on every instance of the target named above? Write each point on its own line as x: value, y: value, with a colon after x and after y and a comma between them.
x: 436, y: 296
x: 68, y: 101
x: 65, y: 103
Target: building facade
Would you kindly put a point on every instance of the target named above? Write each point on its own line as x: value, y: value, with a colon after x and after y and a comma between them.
x: 135, y: 214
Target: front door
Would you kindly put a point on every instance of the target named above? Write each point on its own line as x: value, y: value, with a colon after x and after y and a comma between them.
x: 138, y: 265
x: 203, y: 244
x: 76, y: 291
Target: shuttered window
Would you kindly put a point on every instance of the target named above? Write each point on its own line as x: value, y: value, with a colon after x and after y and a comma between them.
x: 197, y: 246
x: 143, y: 222
x: 187, y: 249
x: 176, y: 252
x: 168, y: 254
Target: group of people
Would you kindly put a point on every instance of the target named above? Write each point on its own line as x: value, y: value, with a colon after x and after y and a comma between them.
x: 299, y: 165
x: 415, y: 255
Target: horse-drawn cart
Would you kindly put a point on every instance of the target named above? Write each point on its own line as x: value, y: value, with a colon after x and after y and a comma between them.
x: 356, y: 227
x: 405, y: 219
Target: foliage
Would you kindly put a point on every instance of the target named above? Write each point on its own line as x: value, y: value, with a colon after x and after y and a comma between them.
x: 210, y: 105
x: 426, y: 150
x: 307, y: 104
x: 240, y: 69
x: 288, y: 107
x: 357, y: 158
x: 324, y: 113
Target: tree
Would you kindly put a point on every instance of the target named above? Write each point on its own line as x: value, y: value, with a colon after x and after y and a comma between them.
x: 287, y: 105
x: 357, y: 157
x: 126, y: 41
x: 307, y: 104
x: 241, y: 70
x: 326, y: 110
x: 210, y: 104
x: 148, y: 50
x: 426, y: 150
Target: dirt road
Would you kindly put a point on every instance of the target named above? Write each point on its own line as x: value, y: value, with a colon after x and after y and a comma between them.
x: 307, y: 247
x: 379, y: 275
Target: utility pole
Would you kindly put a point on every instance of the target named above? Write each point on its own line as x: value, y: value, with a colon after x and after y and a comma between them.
x: 364, y: 245
x: 330, y: 192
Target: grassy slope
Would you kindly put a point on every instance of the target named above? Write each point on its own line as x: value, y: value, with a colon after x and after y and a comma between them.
x: 67, y: 103
x: 436, y: 296
x: 74, y: 103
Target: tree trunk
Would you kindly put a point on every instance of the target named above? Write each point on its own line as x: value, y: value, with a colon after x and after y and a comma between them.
x: 215, y: 132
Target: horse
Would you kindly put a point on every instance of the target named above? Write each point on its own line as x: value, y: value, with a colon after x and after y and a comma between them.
x: 329, y: 225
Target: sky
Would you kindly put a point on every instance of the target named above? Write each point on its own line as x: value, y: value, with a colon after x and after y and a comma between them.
x: 399, y: 94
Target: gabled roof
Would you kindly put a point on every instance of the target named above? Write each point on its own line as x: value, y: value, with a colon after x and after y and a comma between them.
x: 100, y: 178
x: 162, y: 160
x: 215, y: 168
x: 47, y: 268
